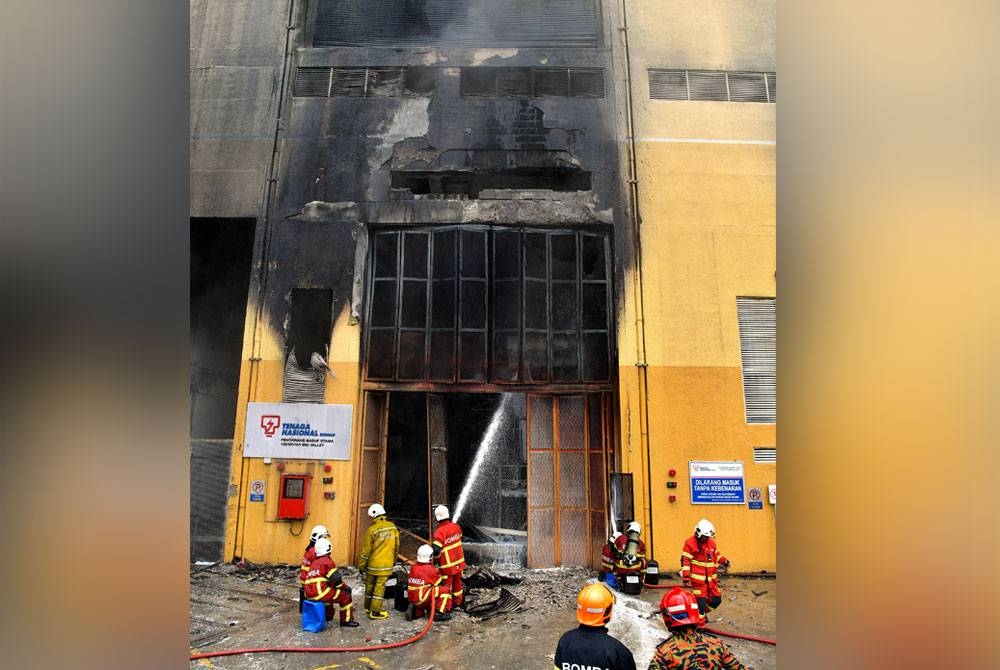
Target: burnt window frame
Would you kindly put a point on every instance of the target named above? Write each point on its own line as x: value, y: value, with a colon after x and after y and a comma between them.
x: 489, y: 332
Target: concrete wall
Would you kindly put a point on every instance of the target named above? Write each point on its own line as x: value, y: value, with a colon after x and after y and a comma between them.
x: 706, y: 175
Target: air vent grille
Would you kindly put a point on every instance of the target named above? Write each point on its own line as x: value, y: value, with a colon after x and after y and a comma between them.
x: 370, y: 82
x: 714, y: 85
x: 758, y: 349
x: 765, y: 455
x: 534, y: 82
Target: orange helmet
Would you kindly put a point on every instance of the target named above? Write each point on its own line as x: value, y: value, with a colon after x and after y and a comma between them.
x: 679, y: 608
x: 593, y: 605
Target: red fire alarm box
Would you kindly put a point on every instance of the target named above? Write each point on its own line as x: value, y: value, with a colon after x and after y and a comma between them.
x: 292, y: 496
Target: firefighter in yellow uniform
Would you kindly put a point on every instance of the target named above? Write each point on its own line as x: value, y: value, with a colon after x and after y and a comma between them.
x: 377, y: 558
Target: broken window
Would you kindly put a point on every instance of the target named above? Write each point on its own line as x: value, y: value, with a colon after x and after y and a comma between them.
x: 471, y: 183
x: 371, y: 82
x: 477, y: 304
x: 306, y: 348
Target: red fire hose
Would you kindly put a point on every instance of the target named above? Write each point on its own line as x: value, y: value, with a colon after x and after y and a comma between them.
x: 738, y: 636
x: 318, y: 650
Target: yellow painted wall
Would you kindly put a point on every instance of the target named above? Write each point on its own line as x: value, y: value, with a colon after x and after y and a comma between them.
x: 260, y: 537
x: 706, y: 173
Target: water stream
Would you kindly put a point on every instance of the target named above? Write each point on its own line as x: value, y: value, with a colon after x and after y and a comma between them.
x: 486, y: 444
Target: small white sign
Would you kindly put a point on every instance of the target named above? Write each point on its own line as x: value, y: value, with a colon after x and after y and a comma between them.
x: 772, y: 494
x: 298, y: 430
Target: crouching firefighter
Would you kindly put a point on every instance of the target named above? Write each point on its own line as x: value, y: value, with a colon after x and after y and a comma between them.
x: 608, y: 554
x: 630, y: 564
x: 323, y: 583
x: 589, y: 645
x: 423, y: 587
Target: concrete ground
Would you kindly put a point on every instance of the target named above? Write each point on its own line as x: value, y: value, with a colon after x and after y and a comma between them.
x: 237, y: 608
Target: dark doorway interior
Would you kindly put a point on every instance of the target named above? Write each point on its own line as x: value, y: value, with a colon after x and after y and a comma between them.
x: 220, y: 276
x: 406, y: 462
x: 482, y: 474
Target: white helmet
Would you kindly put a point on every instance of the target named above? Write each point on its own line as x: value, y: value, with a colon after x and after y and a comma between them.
x: 376, y: 511
x: 633, y: 526
x: 318, y: 532
x: 704, y: 529
x: 425, y: 553
x: 323, y: 547
x: 441, y: 513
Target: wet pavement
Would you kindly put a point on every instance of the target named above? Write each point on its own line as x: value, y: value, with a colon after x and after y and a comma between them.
x: 234, y: 608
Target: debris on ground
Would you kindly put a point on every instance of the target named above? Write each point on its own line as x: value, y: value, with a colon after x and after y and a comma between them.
x: 507, y: 603
x: 485, y: 578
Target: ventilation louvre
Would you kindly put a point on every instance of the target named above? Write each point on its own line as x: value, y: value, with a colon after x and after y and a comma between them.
x: 523, y: 82
x: 668, y: 85
x: 587, y: 83
x: 747, y: 87
x: 714, y: 85
x: 708, y: 85
x: 457, y: 23
x: 371, y: 82
x: 765, y: 455
x: 758, y: 349
x: 311, y: 82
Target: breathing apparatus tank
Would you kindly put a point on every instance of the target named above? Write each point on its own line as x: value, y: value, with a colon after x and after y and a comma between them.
x: 632, y: 546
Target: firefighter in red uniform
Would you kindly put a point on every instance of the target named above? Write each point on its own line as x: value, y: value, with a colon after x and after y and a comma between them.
x: 447, y: 543
x: 323, y: 583
x: 700, y: 560
x: 423, y: 586
x: 608, y: 553
x: 630, y: 564
x: 318, y: 532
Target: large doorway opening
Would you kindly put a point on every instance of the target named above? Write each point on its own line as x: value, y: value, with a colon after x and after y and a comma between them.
x: 523, y: 474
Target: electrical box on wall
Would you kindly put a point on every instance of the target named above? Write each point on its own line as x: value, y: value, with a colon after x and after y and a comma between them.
x: 293, y: 496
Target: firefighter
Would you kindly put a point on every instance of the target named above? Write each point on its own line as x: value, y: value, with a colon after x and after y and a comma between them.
x: 317, y: 532
x: 687, y: 648
x: 608, y: 554
x: 447, y: 544
x: 423, y: 586
x: 323, y: 583
x: 700, y: 560
x: 589, y: 645
x: 378, y: 556
x: 630, y: 564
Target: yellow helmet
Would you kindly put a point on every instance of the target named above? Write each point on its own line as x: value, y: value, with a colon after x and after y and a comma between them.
x: 593, y: 605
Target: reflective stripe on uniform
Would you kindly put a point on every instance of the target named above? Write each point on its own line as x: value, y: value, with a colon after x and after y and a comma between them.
x: 695, y: 575
x: 687, y: 555
x: 700, y: 564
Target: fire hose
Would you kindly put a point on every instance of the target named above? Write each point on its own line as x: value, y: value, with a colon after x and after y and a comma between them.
x: 328, y: 650
x: 738, y: 636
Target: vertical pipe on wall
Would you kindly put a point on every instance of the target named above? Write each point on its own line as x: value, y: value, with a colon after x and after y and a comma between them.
x: 642, y: 379
x: 267, y: 209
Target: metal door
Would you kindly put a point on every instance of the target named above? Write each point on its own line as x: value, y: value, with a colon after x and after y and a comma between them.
x: 372, y: 467
x: 437, y: 457
x: 565, y: 480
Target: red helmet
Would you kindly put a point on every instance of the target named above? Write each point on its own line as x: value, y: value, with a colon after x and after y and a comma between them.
x: 679, y: 608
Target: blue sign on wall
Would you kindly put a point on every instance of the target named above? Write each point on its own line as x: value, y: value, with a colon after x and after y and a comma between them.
x: 717, y: 483
x: 756, y: 505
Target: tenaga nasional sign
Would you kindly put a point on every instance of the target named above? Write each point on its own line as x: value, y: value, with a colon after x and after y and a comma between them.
x: 717, y: 482
x: 298, y: 430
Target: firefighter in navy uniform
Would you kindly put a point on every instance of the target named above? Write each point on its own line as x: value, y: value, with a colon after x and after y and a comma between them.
x: 447, y: 544
x: 589, y: 645
x: 687, y: 648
